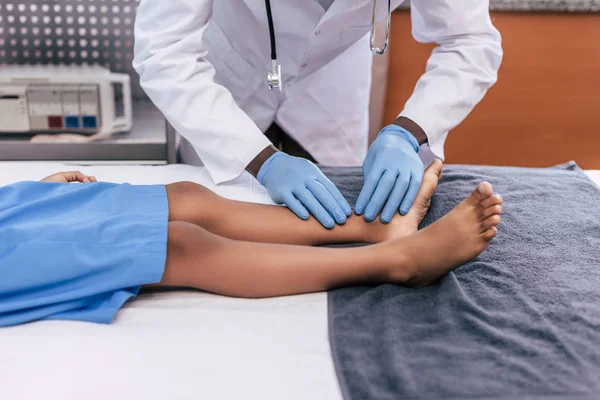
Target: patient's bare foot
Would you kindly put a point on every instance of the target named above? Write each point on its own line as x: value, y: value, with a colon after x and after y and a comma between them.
x: 404, y: 225
x: 458, y: 237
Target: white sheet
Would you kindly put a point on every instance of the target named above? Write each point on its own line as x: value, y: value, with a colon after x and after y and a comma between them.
x: 594, y: 175
x: 174, y: 345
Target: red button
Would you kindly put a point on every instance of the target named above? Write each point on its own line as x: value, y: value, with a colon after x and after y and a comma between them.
x: 55, y: 121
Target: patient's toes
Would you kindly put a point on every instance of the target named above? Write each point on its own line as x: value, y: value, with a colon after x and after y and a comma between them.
x: 483, y: 191
x: 435, y: 169
x: 490, y: 222
x: 492, y: 201
x: 493, y: 210
x: 490, y: 233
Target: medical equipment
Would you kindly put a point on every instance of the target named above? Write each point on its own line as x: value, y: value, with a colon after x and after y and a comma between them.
x: 87, y: 100
x: 377, y: 50
x: 274, y: 76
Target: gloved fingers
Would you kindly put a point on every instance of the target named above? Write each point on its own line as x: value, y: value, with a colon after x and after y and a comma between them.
x: 368, y: 163
x: 295, y: 206
x: 327, y: 201
x: 393, y: 203
x: 309, y: 201
x: 337, y: 195
x: 382, y: 193
x: 367, y: 190
x: 411, y: 193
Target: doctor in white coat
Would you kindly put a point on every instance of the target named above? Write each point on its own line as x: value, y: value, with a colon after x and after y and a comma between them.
x: 204, y: 63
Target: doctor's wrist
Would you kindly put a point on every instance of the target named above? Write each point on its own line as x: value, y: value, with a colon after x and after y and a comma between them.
x: 412, y: 128
x: 258, y: 161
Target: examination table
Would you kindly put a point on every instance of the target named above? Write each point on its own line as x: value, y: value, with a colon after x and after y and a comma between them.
x: 174, y: 344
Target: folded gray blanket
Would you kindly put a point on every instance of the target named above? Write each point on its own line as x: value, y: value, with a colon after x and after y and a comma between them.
x: 539, y: 5
x: 522, y: 321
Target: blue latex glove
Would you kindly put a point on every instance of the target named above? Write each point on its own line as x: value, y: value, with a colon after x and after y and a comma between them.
x: 302, y: 187
x: 393, y: 174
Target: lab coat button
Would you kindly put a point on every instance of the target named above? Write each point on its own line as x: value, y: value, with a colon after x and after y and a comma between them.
x: 317, y: 32
x: 304, y: 65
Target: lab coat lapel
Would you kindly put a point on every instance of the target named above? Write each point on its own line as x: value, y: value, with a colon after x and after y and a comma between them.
x: 341, y: 7
x: 363, y: 8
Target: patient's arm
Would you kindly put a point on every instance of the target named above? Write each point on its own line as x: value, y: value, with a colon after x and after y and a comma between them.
x: 272, y: 224
x: 68, y: 177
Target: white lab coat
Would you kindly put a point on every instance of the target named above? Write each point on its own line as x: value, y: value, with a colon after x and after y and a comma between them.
x: 204, y: 64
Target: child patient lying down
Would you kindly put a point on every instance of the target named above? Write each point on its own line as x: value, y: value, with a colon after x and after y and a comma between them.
x: 80, y: 251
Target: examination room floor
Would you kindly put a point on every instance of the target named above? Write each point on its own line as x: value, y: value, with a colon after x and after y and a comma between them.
x: 174, y: 344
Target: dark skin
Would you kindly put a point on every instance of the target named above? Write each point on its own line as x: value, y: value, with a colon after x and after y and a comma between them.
x: 254, y: 250
x: 403, y: 122
x: 69, y: 177
x: 413, y: 128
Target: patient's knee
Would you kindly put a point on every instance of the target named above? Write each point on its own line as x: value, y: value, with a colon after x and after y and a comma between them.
x: 182, y: 238
x: 189, y: 240
x: 184, y: 188
x: 187, y: 201
x: 185, y: 243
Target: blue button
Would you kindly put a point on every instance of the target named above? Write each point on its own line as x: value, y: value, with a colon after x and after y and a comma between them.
x: 89, y: 121
x: 72, y: 121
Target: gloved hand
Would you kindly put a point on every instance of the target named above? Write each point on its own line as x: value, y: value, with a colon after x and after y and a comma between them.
x: 393, y: 172
x: 302, y: 187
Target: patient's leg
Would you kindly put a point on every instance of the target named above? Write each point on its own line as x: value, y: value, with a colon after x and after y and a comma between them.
x: 270, y: 224
x: 200, y: 259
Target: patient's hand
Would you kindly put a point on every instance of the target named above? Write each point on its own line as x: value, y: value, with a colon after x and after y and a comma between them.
x: 68, y: 177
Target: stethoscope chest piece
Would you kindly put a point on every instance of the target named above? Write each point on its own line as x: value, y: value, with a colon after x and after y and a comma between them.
x: 274, y: 77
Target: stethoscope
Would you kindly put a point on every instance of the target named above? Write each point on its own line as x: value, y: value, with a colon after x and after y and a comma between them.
x: 274, y: 77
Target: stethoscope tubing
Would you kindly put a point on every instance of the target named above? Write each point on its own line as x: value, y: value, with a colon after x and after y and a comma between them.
x: 374, y: 50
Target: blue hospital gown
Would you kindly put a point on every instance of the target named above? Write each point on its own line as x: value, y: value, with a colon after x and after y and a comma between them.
x: 78, y: 251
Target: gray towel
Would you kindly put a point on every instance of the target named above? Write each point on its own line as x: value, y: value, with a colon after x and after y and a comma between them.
x: 522, y: 321
x: 539, y: 5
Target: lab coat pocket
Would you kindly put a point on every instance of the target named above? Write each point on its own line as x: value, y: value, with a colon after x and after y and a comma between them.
x: 233, y: 71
